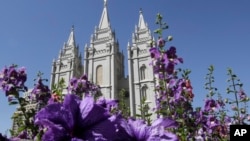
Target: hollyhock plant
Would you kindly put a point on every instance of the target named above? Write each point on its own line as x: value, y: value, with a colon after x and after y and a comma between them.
x: 242, y: 95
x: 82, y: 85
x: 12, y: 80
x: 174, y: 94
x: 40, y: 93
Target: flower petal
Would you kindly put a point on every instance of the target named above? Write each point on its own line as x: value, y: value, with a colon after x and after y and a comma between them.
x: 55, y: 133
x: 167, y: 136
x: 165, y: 122
x: 91, y: 113
x: 71, y: 104
x: 108, y: 129
x: 56, y: 114
x: 140, y: 129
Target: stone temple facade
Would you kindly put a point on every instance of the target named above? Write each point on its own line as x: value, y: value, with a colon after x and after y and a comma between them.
x: 103, y: 62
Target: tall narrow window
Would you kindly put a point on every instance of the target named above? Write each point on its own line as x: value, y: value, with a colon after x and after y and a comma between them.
x: 144, y: 98
x: 99, y: 75
x: 144, y: 92
x: 143, y: 72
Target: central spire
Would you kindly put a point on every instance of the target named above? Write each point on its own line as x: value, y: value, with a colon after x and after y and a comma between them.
x: 104, y: 22
x: 141, y: 23
x: 105, y: 3
x: 71, y: 40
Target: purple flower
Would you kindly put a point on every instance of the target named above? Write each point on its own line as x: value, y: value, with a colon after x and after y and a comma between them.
x: 41, y: 92
x: 171, y: 54
x: 212, y: 122
x: 12, y: 80
x: 107, y: 104
x: 165, y: 61
x: 154, y: 52
x: 242, y: 95
x: 170, y: 68
x: 139, y: 131
x: 82, y: 86
x: 22, y: 76
x: 211, y: 105
x: 161, y: 42
x: 78, y: 119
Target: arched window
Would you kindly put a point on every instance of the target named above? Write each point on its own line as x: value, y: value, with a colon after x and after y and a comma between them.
x: 144, y: 92
x: 144, y: 89
x: 99, y: 75
x: 143, y: 72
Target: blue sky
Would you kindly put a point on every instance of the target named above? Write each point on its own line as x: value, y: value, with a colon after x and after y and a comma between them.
x: 205, y: 32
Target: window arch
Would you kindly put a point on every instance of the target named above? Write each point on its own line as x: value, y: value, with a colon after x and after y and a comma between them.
x: 143, y: 72
x: 99, y: 75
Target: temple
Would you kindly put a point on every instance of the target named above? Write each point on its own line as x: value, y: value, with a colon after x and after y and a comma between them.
x: 103, y: 62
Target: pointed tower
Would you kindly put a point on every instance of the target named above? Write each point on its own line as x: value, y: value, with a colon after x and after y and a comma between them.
x: 141, y: 80
x: 103, y: 62
x: 68, y: 64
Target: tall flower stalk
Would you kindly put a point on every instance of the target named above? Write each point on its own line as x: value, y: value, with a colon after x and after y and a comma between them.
x: 239, y: 104
x: 174, y: 93
x: 12, y: 82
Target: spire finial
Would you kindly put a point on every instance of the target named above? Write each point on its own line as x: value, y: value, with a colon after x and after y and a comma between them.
x: 140, y: 11
x: 142, y: 23
x: 105, y: 3
x: 71, y: 39
x: 104, y: 21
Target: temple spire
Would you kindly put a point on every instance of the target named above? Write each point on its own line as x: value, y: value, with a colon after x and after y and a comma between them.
x: 105, y: 3
x: 104, y: 22
x: 71, y: 40
x: 141, y: 24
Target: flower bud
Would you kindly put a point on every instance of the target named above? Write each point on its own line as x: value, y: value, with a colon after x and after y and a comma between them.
x: 170, y: 38
x: 161, y: 42
x: 242, y: 110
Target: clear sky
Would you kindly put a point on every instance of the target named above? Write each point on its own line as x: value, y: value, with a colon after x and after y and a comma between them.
x: 205, y: 32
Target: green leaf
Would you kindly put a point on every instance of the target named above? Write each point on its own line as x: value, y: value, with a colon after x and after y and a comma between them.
x: 137, y: 115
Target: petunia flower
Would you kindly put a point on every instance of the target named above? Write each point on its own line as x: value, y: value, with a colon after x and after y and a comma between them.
x: 76, y: 119
x: 107, y: 104
x: 140, y: 131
